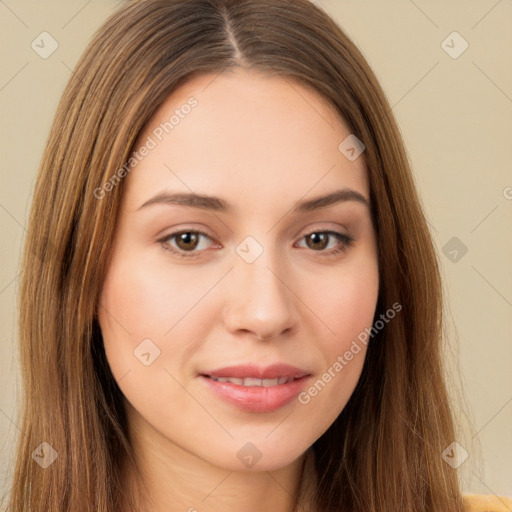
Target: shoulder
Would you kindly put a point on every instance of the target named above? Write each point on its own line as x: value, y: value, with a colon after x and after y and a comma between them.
x: 487, y: 503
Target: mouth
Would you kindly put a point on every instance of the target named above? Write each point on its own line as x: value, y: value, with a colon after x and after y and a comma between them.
x: 255, y: 395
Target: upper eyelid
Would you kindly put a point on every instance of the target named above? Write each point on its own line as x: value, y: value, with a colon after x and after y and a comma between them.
x: 205, y: 233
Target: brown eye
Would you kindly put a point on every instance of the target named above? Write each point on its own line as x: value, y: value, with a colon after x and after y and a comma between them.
x: 187, y: 240
x: 317, y: 240
x: 327, y: 243
x: 186, y: 243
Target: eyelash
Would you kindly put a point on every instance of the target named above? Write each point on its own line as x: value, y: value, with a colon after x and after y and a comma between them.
x: 345, y: 239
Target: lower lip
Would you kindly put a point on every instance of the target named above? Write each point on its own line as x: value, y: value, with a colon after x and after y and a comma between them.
x: 256, y: 398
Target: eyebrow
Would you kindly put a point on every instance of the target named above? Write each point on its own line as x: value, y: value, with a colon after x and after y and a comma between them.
x: 217, y: 204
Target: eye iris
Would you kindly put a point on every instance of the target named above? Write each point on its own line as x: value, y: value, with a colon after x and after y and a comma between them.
x: 183, y: 239
x: 317, y: 237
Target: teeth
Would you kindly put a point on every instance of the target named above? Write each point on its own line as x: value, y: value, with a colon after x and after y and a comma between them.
x: 228, y: 379
x: 249, y: 381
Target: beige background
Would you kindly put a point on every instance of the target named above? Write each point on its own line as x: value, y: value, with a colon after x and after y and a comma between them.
x: 456, y: 117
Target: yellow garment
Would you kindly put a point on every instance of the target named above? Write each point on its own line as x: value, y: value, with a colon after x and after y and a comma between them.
x: 487, y: 503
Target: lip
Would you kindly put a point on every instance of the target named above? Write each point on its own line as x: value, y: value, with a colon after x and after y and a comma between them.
x: 257, y: 372
x: 256, y: 398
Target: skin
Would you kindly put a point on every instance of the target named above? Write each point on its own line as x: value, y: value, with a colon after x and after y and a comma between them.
x: 261, y: 144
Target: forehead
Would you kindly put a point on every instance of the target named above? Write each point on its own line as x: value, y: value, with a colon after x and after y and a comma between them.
x: 244, y: 134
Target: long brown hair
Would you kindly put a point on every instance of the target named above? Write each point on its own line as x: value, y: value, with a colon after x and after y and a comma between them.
x: 383, y: 452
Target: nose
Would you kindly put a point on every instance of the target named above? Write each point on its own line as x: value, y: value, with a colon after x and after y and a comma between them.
x: 261, y: 300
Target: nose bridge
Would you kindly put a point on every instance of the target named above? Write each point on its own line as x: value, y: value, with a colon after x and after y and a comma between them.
x: 260, y: 300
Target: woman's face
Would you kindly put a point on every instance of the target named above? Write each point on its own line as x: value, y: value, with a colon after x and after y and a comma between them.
x: 261, y: 272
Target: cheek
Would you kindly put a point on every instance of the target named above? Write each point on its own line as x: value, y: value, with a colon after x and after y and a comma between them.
x: 141, y: 302
x: 138, y: 309
x: 346, y: 303
x: 145, y: 299
x: 130, y: 314
x: 355, y: 306
x: 347, y: 306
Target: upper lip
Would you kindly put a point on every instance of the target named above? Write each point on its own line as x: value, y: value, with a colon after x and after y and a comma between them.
x: 257, y: 372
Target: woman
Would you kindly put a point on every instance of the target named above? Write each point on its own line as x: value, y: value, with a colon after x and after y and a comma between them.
x: 238, y: 301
